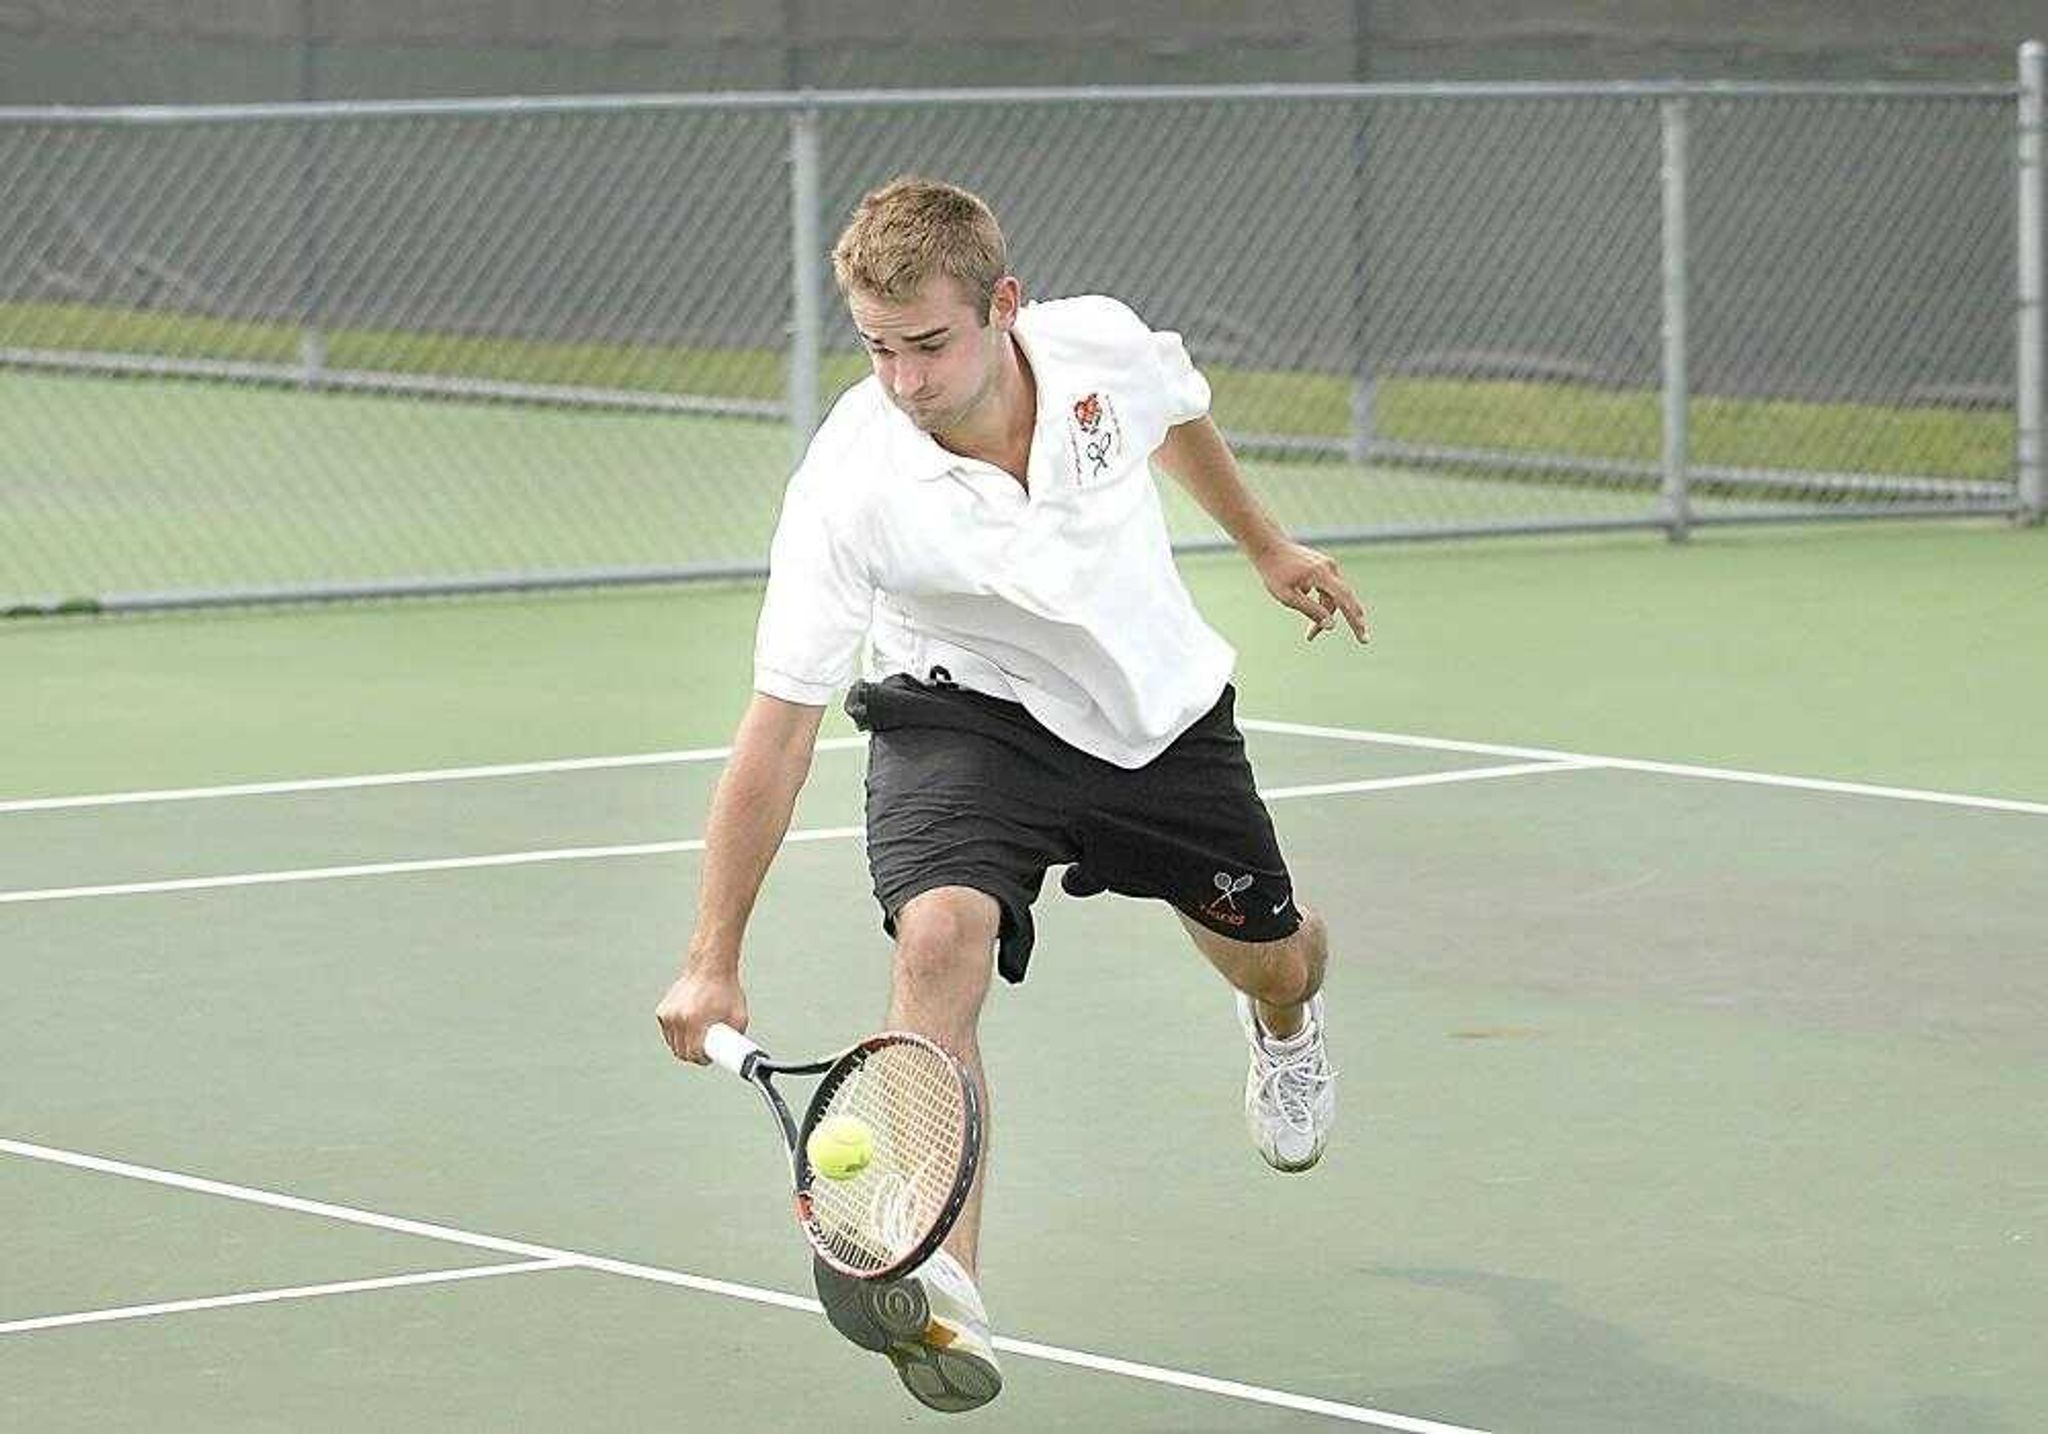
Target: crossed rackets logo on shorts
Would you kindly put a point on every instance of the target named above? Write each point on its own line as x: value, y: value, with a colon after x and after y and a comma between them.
x: 1224, y: 906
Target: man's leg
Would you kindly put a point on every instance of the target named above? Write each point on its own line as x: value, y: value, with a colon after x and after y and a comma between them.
x: 931, y: 1323
x: 944, y: 943
x: 1280, y: 976
x: 1290, y: 1093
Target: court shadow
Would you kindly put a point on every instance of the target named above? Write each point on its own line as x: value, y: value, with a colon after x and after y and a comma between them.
x: 1580, y: 1374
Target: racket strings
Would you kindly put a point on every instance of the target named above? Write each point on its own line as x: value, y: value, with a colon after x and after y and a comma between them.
x: 910, y: 1097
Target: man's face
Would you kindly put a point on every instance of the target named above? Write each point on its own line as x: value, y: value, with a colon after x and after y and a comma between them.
x: 939, y: 357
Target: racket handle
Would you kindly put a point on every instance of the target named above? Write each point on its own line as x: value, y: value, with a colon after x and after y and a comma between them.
x: 727, y: 1048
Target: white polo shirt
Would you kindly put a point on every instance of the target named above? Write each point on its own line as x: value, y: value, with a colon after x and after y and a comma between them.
x: 1064, y: 598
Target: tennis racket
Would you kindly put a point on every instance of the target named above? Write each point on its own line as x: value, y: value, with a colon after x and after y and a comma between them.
x: 919, y: 1103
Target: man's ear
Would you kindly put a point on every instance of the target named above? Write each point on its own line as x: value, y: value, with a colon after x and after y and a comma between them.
x: 1005, y: 301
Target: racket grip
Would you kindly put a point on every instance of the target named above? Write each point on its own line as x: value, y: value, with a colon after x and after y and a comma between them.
x: 727, y: 1048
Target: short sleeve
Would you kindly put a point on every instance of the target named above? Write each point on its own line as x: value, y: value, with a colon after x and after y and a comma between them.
x: 1186, y: 391
x: 818, y: 606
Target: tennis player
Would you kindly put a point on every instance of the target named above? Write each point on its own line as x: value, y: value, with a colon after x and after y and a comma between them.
x: 1040, y: 690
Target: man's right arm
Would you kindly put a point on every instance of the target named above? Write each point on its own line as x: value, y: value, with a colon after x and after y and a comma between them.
x: 750, y: 813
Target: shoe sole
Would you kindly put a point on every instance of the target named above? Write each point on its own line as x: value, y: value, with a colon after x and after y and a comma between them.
x: 1296, y: 1169
x: 1252, y: 1125
x: 893, y: 1318
x: 951, y: 1381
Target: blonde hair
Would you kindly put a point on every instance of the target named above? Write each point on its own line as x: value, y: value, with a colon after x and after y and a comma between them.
x: 912, y: 230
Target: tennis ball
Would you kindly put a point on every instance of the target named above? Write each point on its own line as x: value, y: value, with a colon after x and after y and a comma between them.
x: 840, y: 1147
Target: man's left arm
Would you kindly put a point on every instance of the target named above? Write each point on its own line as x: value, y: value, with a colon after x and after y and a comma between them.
x: 1300, y: 577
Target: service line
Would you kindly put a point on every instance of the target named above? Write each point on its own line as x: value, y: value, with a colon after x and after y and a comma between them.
x: 665, y: 848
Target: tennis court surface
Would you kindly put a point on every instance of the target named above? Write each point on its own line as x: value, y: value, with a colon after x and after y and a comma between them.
x: 1690, y: 909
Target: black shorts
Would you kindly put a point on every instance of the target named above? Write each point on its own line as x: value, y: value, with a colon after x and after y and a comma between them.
x: 964, y: 789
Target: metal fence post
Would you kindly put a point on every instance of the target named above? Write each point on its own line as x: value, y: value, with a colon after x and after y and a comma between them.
x: 1364, y: 383
x: 2030, y: 384
x: 313, y: 216
x: 1677, y: 387
x: 807, y: 321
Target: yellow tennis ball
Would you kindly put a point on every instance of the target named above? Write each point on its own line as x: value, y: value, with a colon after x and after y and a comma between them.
x: 840, y: 1147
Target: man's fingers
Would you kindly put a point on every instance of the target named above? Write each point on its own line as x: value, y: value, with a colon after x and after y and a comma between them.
x: 1321, y: 605
x: 1311, y: 606
x: 1304, y: 601
x: 1317, y: 591
x: 690, y: 1040
x: 677, y: 1033
x: 1336, y: 592
x: 1354, y: 613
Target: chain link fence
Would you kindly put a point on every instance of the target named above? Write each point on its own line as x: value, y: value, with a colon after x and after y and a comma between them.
x: 278, y: 351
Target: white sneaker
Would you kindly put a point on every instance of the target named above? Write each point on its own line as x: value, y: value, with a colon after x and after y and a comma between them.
x: 930, y: 1323
x: 1290, y: 1091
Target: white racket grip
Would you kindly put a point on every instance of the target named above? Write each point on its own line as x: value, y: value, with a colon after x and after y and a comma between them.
x: 727, y: 1048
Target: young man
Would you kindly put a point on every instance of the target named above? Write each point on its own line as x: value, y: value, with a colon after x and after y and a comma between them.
x: 981, y: 511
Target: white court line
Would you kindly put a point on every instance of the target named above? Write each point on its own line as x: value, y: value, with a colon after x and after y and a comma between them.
x: 1662, y: 769
x: 393, y: 868
x: 660, y: 848
x: 1540, y: 760
x: 1423, y: 779
x: 392, y: 779
x: 295, y: 1292
x: 559, y: 1258
x: 1228, y: 1388
x: 1576, y: 760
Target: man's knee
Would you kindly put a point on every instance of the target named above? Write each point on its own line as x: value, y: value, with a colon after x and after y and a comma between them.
x: 944, y: 937
x: 1312, y: 941
x: 1290, y: 971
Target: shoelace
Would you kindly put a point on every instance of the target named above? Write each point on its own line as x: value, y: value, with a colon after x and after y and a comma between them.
x: 1289, y: 1082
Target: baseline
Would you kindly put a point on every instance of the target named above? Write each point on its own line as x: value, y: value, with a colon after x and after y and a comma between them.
x: 538, y: 1255
x: 290, y: 1292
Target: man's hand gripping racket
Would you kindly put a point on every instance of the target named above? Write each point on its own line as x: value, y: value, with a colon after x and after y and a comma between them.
x: 922, y: 1123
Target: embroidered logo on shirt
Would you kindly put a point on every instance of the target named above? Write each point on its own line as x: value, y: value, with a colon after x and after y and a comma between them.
x: 1095, y: 437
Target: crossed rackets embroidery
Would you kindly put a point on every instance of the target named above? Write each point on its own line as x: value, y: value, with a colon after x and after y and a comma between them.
x: 1224, y: 907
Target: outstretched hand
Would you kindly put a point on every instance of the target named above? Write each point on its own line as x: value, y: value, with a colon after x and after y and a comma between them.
x: 1309, y: 582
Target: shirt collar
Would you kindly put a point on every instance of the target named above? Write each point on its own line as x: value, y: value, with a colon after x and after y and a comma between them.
x: 915, y: 453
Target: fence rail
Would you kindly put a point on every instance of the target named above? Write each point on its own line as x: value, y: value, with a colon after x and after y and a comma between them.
x: 325, y: 349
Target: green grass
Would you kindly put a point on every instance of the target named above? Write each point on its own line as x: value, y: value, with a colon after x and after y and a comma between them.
x: 723, y: 373
x: 123, y: 485
x: 1513, y: 416
x: 127, y: 485
x: 1628, y: 424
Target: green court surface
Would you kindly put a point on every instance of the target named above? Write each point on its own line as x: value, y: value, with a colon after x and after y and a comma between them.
x: 1690, y: 907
